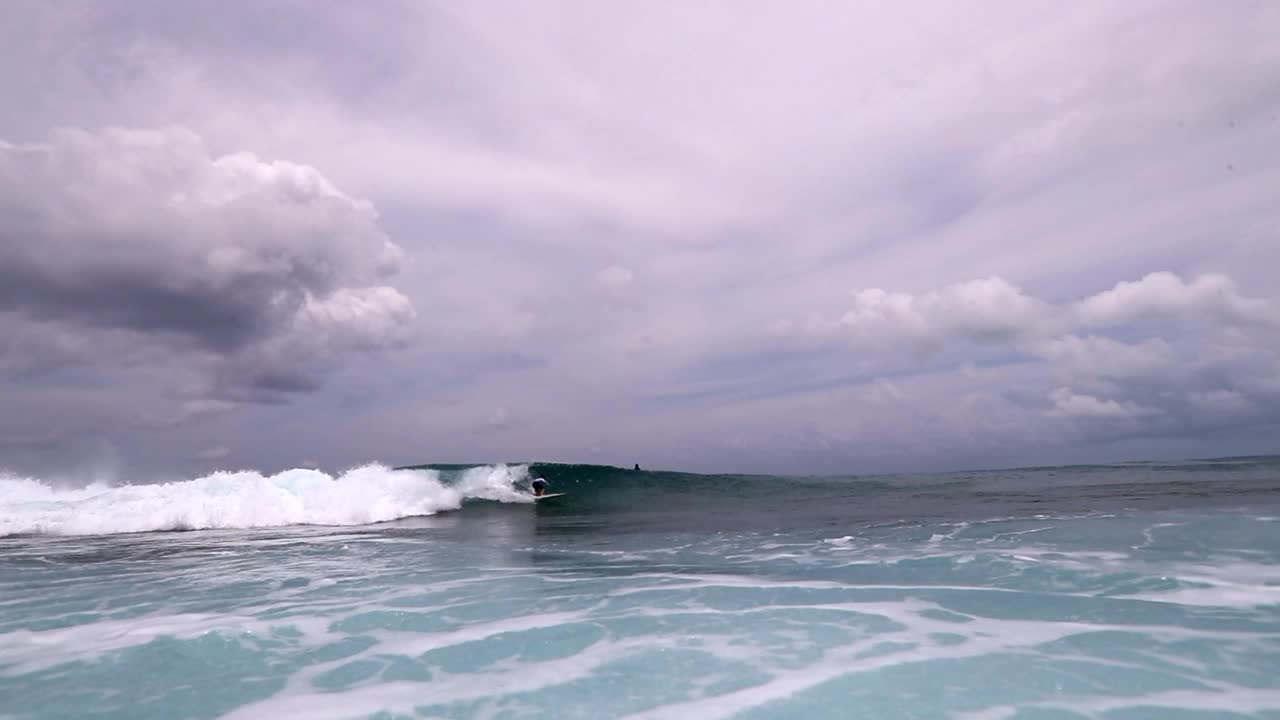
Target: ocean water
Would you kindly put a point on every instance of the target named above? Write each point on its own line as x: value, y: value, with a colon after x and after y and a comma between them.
x: 1143, y: 590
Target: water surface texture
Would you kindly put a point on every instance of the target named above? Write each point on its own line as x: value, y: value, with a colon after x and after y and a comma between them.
x: 1144, y: 590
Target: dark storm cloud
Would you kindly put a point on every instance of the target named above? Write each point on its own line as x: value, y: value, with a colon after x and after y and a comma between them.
x: 218, y: 319
x: 259, y: 270
x: 282, y: 382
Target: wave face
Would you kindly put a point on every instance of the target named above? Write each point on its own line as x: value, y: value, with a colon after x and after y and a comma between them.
x: 627, y: 499
x: 248, y: 499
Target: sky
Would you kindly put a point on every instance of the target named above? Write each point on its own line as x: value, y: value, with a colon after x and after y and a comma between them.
x: 806, y: 237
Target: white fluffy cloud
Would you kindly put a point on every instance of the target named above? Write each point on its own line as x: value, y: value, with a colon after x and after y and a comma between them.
x: 1158, y: 355
x: 1103, y: 357
x: 994, y: 310
x: 987, y: 310
x: 1163, y: 294
x: 1073, y: 405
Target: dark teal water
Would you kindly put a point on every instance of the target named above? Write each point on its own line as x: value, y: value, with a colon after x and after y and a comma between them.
x: 1146, y: 590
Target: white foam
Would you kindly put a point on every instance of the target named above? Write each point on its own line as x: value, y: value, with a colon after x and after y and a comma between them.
x: 1231, y: 700
x: 1225, y: 584
x: 494, y: 482
x: 247, y: 499
x: 916, y: 623
x: 26, y: 651
x: 299, y: 697
x: 982, y: 637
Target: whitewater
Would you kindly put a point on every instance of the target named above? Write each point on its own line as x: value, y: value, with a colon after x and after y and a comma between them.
x: 248, y: 499
x: 1139, y: 590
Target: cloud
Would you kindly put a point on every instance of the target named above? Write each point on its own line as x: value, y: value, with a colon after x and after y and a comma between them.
x: 615, y: 278
x: 1154, y: 357
x: 1073, y: 405
x: 993, y: 310
x: 1220, y: 402
x: 260, y: 272
x: 987, y: 310
x: 1104, y: 357
x: 649, y: 222
x: 493, y: 109
x: 217, y: 452
x: 1163, y: 294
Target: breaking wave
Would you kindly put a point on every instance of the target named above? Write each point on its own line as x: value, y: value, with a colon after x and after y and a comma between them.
x: 249, y: 499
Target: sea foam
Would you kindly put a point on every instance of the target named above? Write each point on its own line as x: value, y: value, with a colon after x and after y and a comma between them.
x: 248, y: 499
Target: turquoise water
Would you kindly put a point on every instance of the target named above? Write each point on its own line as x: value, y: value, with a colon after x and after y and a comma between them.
x: 1133, y: 591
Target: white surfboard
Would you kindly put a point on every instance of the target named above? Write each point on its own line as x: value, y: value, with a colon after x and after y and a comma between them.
x: 548, y: 495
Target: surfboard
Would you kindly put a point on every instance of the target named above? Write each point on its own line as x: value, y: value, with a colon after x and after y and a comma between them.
x: 548, y: 495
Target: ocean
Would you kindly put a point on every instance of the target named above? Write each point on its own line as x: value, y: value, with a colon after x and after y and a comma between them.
x: 1137, y: 590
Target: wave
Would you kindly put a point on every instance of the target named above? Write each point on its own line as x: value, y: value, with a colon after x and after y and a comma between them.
x: 625, y: 498
x: 634, y: 500
x: 585, y: 480
x: 249, y: 499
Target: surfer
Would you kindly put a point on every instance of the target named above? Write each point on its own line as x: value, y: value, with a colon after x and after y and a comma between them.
x: 538, y: 486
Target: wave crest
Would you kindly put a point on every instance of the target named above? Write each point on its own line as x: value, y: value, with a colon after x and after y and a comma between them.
x: 248, y: 499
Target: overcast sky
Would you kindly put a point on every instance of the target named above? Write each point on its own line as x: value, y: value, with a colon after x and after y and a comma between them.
x: 736, y: 236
